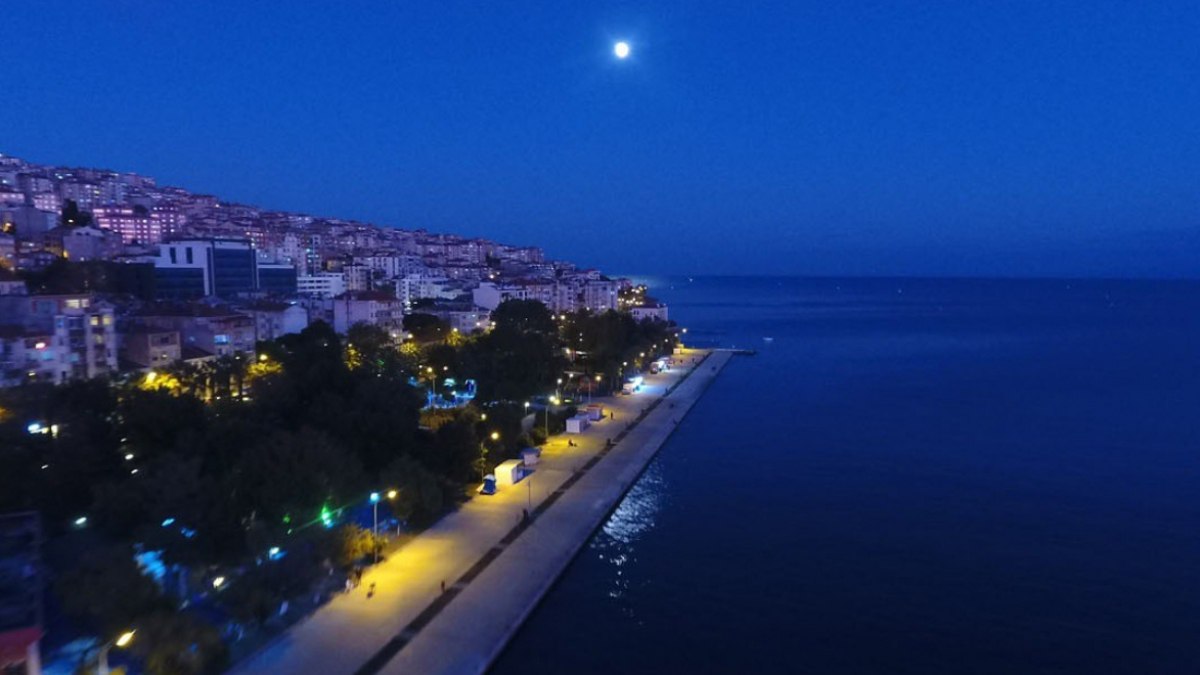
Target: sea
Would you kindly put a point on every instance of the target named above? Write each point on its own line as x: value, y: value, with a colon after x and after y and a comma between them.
x: 910, y: 476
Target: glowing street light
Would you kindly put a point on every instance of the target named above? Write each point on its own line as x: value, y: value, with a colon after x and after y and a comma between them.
x: 392, y: 494
x: 121, y: 641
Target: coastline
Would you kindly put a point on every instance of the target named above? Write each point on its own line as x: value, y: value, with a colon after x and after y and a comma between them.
x: 411, y: 619
x: 473, y: 631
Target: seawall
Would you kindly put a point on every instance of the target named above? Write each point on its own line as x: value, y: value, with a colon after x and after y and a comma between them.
x: 471, y: 629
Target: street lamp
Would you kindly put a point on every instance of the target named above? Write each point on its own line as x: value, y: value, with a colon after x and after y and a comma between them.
x: 495, y: 435
x: 558, y: 386
x: 375, y: 525
x: 121, y: 641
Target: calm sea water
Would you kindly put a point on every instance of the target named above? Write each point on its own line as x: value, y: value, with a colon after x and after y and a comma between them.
x: 912, y: 477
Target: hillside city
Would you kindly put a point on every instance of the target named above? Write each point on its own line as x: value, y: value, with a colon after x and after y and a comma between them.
x: 166, y: 274
x: 215, y: 419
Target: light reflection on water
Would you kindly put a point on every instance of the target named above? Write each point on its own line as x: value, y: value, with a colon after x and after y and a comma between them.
x: 616, y: 543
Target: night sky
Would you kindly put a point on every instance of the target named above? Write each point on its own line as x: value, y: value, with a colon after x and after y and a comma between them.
x: 939, y: 138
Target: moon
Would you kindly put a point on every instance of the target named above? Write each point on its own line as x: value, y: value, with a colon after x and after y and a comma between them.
x: 621, y: 49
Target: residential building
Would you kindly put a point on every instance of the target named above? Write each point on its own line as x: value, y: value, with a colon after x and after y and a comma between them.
x: 133, y: 223
x: 374, y: 307
x: 81, y: 244
x: 273, y: 320
x: 215, y: 331
x: 82, y: 336
x: 415, y: 287
x: 321, y: 284
x: 145, y: 347
x: 8, y: 252
x: 465, y: 317
x: 653, y: 312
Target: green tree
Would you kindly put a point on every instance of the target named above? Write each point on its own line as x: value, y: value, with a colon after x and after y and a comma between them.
x: 290, y: 473
x: 526, y: 316
x: 373, y: 348
x: 420, y: 495
x: 180, y: 643
x: 72, y: 216
x: 426, y: 327
x: 108, y: 591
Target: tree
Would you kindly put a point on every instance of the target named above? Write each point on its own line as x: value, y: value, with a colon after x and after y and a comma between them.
x: 73, y: 217
x: 371, y: 347
x: 152, y: 421
x: 347, y: 544
x: 180, y: 643
x: 108, y: 591
x: 525, y: 316
x: 426, y: 327
x: 293, y: 473
x: 420, y: 497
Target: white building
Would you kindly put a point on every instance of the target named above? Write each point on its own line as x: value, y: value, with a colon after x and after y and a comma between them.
x: 656, y: 312
x: 273, y: 320
x: 415, y: 287
x: 321, y: 284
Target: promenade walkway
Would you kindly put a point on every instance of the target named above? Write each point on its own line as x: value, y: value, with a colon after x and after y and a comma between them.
x: 495, y: 567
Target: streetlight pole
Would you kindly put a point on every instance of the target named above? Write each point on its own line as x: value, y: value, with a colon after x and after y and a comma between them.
x: 375, y: 525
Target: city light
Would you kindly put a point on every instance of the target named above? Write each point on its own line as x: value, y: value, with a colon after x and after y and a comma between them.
x: 125, y: 639
x: 495, y: 435
x: 374, y: 497
x: 392, y: 494
x: 81, y: 521
x: 217, y: 582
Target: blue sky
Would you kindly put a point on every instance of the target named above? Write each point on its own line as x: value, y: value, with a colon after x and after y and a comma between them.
x: 1013, y: 138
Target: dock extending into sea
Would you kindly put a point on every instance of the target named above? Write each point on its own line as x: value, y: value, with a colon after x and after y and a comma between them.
x: 495, y: 563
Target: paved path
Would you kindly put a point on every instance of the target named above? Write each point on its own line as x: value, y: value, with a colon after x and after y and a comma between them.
x: 494, y: 575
